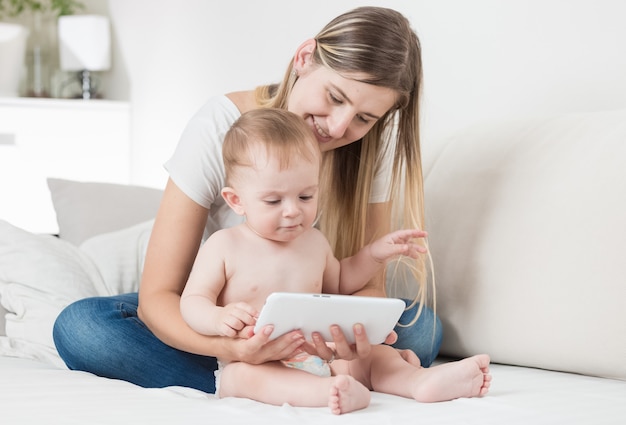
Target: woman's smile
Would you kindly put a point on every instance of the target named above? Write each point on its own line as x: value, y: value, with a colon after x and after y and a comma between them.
x: 319, y: 129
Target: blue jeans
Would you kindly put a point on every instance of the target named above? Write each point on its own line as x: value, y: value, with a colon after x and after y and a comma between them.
x: 104, y: 336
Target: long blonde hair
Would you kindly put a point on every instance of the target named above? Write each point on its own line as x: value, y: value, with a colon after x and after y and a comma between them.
x: 380, y: 44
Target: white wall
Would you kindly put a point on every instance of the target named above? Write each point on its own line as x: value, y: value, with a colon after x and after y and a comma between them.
x: 483, y: 59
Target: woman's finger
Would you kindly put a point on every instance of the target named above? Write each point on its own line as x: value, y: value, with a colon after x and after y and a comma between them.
x: 343, y: 350
x: 320, y: 347
x: 363, y: 346
x: 259, y: 348
x: 391, y: 338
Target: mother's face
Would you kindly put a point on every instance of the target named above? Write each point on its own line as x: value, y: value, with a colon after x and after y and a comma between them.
x: 338, y: 109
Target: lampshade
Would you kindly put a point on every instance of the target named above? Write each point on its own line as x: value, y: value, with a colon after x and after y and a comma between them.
x: 84, y: 43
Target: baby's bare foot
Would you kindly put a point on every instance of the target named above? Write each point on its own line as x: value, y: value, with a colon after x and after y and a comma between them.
x: 469, y: 377
x: 347, y: 394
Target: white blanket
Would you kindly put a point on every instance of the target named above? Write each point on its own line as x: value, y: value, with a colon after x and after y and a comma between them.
x: 35, y: 393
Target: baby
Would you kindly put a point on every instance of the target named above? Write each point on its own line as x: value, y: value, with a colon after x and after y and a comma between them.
x: 272, y: 163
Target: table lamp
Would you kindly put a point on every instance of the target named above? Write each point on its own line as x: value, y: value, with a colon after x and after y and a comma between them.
x: 85, y: 47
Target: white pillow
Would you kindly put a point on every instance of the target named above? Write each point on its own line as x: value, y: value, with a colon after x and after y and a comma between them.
x: 86, y: 209
x: 3, y: 313
x: 41, y: 274
x: 119, y: 256
x: 527, y: 223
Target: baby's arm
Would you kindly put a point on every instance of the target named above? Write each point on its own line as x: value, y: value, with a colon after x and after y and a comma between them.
x: 356, y: 271
x: 198, y: 302
x: 204, y: 317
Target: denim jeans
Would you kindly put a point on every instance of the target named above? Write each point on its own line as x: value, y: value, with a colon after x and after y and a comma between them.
x: 104, y: 336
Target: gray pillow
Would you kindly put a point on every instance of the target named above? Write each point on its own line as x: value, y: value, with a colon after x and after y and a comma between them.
x: 86, y: 209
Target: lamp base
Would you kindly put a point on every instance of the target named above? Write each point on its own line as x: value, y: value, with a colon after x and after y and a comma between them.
x: 87, y: 83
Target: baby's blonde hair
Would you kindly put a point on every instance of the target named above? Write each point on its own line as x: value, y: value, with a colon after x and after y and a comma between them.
x: 283, y: 134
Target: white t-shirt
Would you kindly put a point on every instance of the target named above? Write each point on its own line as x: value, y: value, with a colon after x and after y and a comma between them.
x: 196, y: 166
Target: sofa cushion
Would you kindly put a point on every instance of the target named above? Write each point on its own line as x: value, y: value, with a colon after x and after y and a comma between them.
x: 527, y: 223
x: 87, y: 209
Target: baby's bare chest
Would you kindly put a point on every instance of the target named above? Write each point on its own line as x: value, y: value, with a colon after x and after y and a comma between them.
x: 253, y: 273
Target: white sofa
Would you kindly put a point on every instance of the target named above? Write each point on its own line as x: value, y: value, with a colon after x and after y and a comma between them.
x: 526, y: 222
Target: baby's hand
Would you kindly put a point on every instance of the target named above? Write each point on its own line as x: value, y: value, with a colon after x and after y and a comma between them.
x: 232, y: 318
x: 397, y: 243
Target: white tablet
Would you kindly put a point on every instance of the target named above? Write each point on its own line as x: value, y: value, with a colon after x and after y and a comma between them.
x: 317, y: 312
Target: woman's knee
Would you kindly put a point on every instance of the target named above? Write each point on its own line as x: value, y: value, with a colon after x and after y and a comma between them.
x: 81, y: 329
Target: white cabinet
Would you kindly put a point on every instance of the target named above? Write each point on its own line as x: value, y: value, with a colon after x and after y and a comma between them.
x: 71, y: 139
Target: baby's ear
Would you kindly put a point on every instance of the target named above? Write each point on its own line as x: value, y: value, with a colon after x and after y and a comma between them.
x: 232, y: 199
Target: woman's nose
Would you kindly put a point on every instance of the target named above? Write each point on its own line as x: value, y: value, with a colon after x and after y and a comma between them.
x: 339, y: 122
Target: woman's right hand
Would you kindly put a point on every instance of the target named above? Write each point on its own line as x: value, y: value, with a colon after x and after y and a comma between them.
x: 258, y: 348
x: 340, y: 348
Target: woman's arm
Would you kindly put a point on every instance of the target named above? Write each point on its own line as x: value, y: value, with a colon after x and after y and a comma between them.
x: 174, y: 243
x: 172, y: 249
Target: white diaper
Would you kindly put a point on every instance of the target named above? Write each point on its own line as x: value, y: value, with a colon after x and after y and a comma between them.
x: 218, y: 373
x: 309, y: 363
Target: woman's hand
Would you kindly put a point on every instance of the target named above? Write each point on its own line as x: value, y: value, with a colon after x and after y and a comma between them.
x: 340, y: 348
x: 257, y: 348
x: 361, y: 348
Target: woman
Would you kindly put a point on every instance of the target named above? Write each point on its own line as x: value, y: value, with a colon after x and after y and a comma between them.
x: 357, y: 85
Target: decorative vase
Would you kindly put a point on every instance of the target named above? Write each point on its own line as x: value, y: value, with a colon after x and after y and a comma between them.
x: 40, y: 58
x: 12, y: 52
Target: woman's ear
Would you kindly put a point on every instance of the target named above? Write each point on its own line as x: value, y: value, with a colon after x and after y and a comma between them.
x: 232, y: 199
x: 303, y: 58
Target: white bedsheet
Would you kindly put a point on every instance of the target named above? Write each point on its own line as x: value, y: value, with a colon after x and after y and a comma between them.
x: 35, y: 393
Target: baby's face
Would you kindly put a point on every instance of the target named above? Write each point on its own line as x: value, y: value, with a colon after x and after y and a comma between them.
x: 279, y: 204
